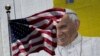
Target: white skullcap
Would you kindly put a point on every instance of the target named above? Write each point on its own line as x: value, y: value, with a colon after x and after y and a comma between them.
x: 72, y: 15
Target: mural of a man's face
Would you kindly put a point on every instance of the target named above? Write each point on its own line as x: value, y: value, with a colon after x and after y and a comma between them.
x: 66, y: 30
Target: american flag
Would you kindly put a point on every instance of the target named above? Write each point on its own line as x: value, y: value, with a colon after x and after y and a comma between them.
x: 35, y: 33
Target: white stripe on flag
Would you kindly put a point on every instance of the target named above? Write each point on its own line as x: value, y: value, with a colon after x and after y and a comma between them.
x: 48, y: 37
x: 50, y: 47
x: 46, y: 21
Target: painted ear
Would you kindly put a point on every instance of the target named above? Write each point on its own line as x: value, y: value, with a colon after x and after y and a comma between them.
x: 77, y: 24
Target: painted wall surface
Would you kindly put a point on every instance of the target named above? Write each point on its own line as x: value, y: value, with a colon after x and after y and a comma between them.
x: 88, y: 12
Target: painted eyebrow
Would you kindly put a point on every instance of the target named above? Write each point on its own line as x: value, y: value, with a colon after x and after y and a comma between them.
x: 62, y: 25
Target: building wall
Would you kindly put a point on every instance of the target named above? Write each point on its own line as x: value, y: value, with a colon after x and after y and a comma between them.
x: 19, y: 9
x: 88, y: 12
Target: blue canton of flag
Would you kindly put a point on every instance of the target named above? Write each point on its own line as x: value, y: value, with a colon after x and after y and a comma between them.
x: 19, y: 29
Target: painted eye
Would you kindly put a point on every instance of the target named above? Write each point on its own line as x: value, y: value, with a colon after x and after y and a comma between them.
x: 63, y: 26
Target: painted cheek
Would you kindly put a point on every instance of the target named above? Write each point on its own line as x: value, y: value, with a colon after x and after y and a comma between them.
x: 60, y: 33
x: 65, y: 31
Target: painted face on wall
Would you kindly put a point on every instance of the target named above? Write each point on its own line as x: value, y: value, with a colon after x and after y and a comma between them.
x: 66, y: 31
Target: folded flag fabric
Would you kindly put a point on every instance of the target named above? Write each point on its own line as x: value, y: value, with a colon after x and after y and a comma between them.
x: 35, y: 33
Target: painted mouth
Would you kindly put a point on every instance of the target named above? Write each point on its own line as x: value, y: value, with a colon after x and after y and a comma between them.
x: 61, y: 39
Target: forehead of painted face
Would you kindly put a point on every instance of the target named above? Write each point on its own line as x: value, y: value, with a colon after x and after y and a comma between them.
x: 64, y: 20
